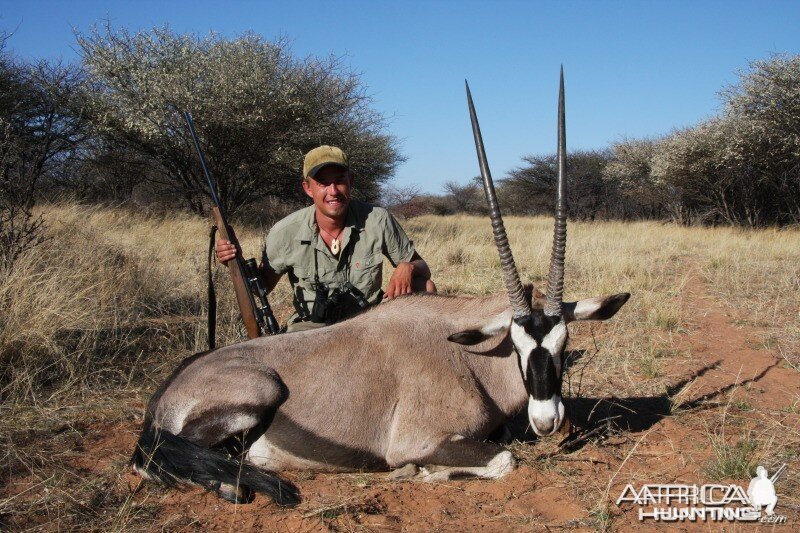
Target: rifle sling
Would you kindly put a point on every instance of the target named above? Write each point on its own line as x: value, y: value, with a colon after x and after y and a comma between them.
x: 212, y: 295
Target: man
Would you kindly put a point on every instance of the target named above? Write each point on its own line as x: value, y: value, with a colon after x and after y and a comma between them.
x: 333, y: 250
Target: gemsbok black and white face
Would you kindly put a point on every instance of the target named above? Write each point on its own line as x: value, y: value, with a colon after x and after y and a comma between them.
x: 538, y: 332
x: 539, y: 341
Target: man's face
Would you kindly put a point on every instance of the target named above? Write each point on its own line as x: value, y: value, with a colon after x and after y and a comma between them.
x: 330, y: 190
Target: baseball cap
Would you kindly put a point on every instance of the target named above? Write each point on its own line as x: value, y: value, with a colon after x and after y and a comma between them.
x: 323, y: 156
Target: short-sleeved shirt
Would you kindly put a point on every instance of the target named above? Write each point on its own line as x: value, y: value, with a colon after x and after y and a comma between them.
x: 294, y: 246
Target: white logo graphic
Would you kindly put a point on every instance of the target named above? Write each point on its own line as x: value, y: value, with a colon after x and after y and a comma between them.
x: 761, y: 491
x: 715, y: 502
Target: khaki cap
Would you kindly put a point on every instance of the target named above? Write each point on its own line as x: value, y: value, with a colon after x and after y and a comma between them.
x: 323, y: 156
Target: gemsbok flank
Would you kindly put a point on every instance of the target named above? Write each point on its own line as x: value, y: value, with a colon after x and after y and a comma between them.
x: 415, y: 384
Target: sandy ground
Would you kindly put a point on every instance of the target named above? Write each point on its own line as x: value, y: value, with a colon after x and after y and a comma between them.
x: 658, y: 439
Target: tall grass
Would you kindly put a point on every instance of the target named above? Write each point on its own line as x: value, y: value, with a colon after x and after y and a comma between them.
x: 78, y: 310
x: 107, y: 295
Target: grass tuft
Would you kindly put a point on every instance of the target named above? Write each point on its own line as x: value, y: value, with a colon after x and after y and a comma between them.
x: 736, y: 461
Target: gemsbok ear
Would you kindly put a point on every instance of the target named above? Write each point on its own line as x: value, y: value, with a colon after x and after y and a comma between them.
x: 600, y: 308
x: 479, y: 333
x: 468, y: 337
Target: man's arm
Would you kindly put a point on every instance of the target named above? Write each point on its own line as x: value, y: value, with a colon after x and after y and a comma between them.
x: 270, y: 278
x: 421, y: 268
x: 412, y: 275
x: 408, y: 277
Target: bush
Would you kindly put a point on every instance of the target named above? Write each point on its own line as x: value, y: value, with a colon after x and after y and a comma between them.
x: 740, y: 168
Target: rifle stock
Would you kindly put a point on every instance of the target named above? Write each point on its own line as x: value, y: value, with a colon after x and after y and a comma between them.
x: 238, y: 277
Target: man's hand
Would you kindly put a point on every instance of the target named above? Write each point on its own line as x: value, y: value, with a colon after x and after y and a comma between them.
x: 400, y: 282
x: 225, y: 251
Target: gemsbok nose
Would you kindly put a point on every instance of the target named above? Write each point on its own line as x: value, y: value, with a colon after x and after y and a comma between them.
x: 543, y: 428
x: 546, y: 416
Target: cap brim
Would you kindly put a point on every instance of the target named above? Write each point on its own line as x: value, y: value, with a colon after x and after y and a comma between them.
x: 313, y: 171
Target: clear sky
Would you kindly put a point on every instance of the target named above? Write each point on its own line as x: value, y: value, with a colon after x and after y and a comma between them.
x: 632, y: 68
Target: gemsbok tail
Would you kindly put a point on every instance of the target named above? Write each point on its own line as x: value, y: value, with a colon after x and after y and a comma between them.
x: 174, y: 460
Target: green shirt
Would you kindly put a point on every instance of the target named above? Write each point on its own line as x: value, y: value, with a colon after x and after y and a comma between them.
x: 294, y: 246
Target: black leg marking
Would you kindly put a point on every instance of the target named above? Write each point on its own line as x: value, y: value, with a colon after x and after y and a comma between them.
x: 458, y: 456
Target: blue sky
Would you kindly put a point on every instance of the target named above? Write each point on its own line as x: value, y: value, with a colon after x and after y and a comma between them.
x: 632, y: 69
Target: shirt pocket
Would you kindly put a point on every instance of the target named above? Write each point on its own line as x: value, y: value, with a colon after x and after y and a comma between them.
x: 367, y: 274
x: 308, y: 274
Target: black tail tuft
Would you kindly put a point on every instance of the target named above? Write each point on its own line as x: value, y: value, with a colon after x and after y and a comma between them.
x: 173, y: 460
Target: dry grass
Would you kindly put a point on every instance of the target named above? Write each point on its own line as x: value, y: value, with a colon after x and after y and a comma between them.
x: 92, y: 319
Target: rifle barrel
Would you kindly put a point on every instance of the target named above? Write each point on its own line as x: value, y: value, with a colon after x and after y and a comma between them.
x: 214, y: 196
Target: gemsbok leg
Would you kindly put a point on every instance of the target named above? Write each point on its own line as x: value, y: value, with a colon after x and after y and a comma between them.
x: 457, y: 456
x: 181, y: 440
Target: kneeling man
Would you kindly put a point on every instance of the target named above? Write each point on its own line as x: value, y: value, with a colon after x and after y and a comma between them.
x: 333, y: 250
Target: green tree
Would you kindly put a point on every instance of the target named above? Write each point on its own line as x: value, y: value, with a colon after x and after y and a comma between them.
x: 686, y: 168
x: 740, y: 168
x: 257, y: 109
x: 39, y: 132
x: 468, y: 198
x: 531, y: 189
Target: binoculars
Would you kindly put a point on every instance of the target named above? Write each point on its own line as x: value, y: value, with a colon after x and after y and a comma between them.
x: 333, y: 305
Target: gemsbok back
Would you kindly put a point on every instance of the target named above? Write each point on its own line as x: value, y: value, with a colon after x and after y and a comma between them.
x: 416, y: 383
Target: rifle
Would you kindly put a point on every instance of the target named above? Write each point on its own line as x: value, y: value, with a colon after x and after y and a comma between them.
x: 257, y: 316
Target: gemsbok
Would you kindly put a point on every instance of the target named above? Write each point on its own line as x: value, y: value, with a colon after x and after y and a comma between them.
x: 416, y: 383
